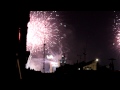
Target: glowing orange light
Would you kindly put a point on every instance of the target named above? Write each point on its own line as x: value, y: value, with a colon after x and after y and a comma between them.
x: 19, y: 35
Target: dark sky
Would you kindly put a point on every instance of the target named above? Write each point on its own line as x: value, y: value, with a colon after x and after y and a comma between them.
x: 95, y: 28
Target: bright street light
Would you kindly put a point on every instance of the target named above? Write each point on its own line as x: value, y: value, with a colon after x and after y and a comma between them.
x: 97, y: 60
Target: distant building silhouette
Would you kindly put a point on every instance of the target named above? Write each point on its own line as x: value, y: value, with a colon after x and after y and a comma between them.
x: 63, y: 60
x: 82, y: 66
x: 111, y: 64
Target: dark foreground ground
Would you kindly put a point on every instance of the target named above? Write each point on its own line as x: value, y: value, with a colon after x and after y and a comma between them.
x: 81, y: 75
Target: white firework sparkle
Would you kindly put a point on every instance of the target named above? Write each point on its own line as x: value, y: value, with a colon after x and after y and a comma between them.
x: 116, y: 29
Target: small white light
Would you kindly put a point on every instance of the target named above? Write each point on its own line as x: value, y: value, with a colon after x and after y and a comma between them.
x: 64, y: 25
x: 87, y: 68
x: 78, y: 68
x: 64, y: 61
x: 97, y: 60
x: 50, y: 57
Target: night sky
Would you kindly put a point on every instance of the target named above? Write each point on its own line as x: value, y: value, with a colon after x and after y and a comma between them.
x: 95, y: 28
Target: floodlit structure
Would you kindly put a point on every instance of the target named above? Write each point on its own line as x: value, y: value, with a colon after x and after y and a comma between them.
x: 92, y: 65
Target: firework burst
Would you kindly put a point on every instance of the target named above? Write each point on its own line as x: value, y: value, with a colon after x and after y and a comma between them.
x: 44, y: 27
x: 116, y: 29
